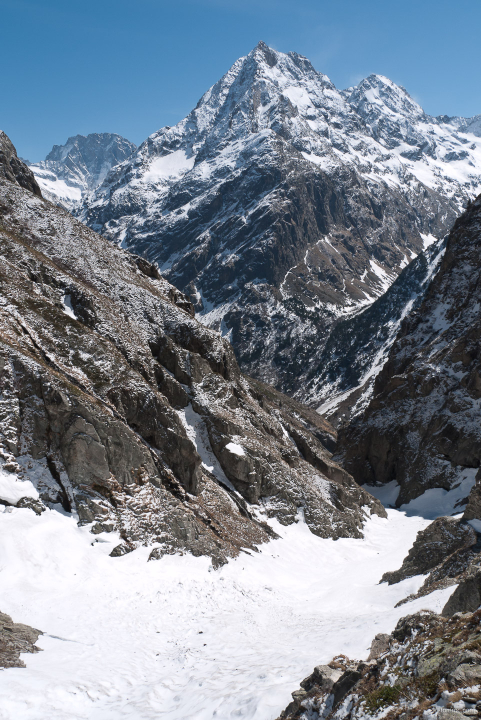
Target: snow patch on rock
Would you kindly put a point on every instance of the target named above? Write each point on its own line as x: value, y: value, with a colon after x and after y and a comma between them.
x: 68, y: 307
x: 169, y: 166
x: 235, y: 448
x: 12, y: 489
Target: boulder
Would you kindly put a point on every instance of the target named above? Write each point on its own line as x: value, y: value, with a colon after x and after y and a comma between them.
x: 16, y: 638
x: 323, y: 677
x: 344, y: 685
x: 441, y: 538
x: 379, y: 645
x: 466, y: 597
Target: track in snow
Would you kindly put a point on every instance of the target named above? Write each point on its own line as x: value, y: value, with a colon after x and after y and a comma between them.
x: 174, y: 639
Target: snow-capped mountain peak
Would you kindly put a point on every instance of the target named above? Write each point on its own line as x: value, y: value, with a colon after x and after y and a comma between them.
x: 378, y: 93
x: 71, y: 170
x: 281, y: 202
x: 250, y: 97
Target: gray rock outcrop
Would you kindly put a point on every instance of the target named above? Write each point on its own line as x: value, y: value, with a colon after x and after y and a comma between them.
x: 429, y: 667
x: 13, y: 169
x: 15, y: 639
x: 467, y: 596
x: 440, y: 539
x: 379, y: 645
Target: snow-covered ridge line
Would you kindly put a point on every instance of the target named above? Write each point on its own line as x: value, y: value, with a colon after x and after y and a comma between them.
x: 70, y: 171
x: 280, y: 204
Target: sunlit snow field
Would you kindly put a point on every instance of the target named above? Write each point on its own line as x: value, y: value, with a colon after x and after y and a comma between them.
x: 174, y: 639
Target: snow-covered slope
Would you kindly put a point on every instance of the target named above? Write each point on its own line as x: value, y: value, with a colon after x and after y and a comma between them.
x: 280, y: 203
x: 126, y: 638
x: 422, y: 426
x: 70, y: 171
x: 435, y: 152
x: 128, y: 434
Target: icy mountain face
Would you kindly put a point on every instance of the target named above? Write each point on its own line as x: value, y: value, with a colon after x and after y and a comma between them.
x: 120, y: 407
x: 441, y: 157
x: 470, y: 125
x: 422, y: 426
x: 281, y: 204
x: 70, y: 171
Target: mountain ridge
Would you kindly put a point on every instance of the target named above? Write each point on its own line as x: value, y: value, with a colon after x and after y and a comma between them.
x: 280, y: 201
x: 71, y: 170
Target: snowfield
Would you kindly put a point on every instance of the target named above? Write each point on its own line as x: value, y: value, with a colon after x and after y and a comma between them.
x: 174, y: 639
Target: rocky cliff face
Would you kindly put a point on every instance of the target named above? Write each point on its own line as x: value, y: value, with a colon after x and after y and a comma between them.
x: 358, y: 346
x: 447, y: 552
x: 13, y: 169
x: 118, y: 406
x: 16, y: 638
x: 442, y: 538
x: 280, y: 204
x: 70, y: 171
x: 422, y: 426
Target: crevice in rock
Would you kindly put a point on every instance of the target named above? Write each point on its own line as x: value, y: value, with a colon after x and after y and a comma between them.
x: 64, y: 499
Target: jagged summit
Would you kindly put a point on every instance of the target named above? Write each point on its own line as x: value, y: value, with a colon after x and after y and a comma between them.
x: 262, y: 53
x: 381, y: 92
x: 86, y: 145
x: 249, y: 98
x: 470, y: 125
x: 267, y: 53
x: 281, y: 204
x: 79, y: 166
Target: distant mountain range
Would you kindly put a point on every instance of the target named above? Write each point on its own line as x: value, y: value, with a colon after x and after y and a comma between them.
x: 70, y: 171
x: 284, y: 207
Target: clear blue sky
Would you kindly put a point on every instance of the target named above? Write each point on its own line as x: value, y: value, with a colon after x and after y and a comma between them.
x: 132, y: 66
